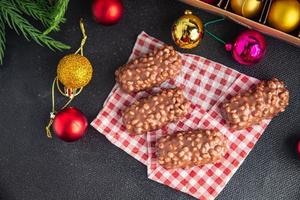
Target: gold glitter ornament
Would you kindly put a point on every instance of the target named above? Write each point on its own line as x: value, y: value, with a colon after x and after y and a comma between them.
x: 74, y: 71
x: 187, y: 31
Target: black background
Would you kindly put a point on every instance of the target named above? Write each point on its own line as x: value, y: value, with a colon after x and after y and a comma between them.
x: 34, y: 167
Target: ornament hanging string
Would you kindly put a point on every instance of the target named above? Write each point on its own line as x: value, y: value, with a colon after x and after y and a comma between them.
x: 53, y: 112
x: 84, y: 37
x: 56, y: 82
x: 211, y: 34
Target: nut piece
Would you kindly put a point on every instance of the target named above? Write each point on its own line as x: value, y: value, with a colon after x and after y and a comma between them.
x: 150, y: 70
x: 265, y: 101
x: 155, y: 111
x: 199, y: 147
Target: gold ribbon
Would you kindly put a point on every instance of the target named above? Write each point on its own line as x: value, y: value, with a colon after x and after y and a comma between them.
x: 84, y: 37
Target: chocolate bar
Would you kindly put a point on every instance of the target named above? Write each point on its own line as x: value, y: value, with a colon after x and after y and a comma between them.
x: 149, y: 70
x: 155, y: 111
x: 265, y: 101
x: 191, y: 148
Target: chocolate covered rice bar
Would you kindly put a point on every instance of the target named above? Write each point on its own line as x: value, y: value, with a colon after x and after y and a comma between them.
x: 155, y: 111
x: 265, y: 101
x: 191, y: 148
x: 149, y: 70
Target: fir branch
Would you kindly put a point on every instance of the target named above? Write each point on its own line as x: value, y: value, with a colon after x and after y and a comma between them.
x: 35, y: 10
x: 2, y: 40
x: 15, y: 21
x: 57, y: 15
x: 43, y: 4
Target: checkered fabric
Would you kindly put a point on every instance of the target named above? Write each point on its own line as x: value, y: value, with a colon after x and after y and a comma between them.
x: 206, y: 84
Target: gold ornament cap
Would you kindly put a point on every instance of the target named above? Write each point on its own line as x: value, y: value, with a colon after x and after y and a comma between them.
x: 284, y: 15
x: 74, y: 71
x: 187, y: 31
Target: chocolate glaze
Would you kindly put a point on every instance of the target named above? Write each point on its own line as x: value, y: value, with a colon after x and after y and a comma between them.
x: 155, y: 111
x: 265, y: 101
x: 191, y: 148
x: 149, y: 70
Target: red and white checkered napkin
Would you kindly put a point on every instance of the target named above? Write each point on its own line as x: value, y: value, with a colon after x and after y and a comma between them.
x: 206, y: 84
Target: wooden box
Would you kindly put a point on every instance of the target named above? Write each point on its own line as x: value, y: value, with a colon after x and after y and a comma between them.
x: 251, y: 24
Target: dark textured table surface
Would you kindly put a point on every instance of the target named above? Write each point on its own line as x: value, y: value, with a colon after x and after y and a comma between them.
x: 34, y: 167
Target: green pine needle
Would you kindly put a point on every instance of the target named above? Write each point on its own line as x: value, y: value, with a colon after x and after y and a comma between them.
x: 38, y: 12
x: 57, y: 15
x: 43, y: 4
x: 13, y: 18
x: 2, y: 40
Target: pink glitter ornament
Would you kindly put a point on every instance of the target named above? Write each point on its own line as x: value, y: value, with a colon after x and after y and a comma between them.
x: 248, y: 48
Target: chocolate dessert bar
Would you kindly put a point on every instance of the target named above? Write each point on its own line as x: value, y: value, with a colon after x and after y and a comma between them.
x: 191, y: 148
x: 155, y: 111
x: 149, y: 70
x: 265, y: 101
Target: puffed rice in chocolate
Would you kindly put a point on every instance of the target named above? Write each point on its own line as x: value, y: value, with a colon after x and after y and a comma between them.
x: 155, y: 111
x: 265, y: 101
x: 149, y: 70
x: 191, y: 148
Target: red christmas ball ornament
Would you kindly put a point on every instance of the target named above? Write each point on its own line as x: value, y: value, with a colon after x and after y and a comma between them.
x: 70, y: 124
x: 107, y: 12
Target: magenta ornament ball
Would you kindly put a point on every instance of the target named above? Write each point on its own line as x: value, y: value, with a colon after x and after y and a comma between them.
x: 249, y: 47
